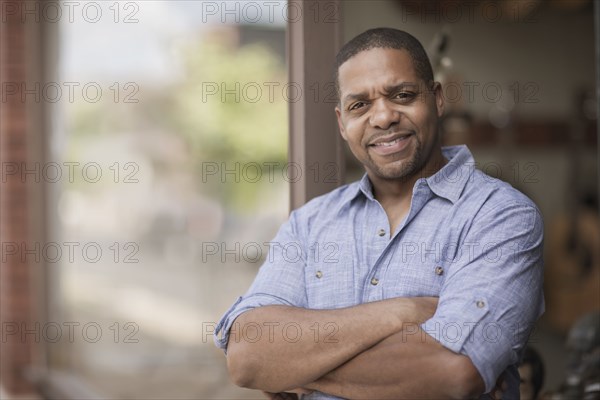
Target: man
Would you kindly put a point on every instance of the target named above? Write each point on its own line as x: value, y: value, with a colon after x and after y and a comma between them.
x: 423, y: 280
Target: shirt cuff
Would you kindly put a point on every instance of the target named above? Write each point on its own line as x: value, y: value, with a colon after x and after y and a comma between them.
x: 240, y: 306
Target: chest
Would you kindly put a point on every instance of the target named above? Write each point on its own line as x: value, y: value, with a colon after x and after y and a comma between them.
x: 356, y: 261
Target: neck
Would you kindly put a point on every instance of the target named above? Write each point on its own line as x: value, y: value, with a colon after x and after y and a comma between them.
x: 388, y: 191
x: 395, y: 195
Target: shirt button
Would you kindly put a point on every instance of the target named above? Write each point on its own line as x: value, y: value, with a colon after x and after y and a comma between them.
x: 480, y: 303
x: 439, y: 270
x: 374, y: 281
x: 319, y: 274
x: 381, y: 232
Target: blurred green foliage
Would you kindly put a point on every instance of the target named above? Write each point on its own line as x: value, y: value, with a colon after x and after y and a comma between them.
x: 247, y: 125
x: 244, y: 124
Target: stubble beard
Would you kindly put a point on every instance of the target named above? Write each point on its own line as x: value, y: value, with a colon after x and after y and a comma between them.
x: 406, y: 168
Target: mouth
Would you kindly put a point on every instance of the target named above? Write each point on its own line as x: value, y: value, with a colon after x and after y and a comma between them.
x: 391, y: 144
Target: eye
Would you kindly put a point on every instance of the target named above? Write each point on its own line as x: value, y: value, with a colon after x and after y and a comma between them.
x: 356, y: 106
x: 405, y: 96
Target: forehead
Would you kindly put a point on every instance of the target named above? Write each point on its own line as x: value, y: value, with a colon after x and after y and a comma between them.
x: 376, y: 67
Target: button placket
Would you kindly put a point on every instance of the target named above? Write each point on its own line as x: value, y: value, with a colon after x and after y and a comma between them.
x: 375, y: 247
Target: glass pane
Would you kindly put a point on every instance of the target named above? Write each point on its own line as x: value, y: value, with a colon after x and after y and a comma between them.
x: 171, y: 137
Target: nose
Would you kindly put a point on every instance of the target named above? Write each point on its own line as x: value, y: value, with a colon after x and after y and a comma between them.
x: 383, y: 114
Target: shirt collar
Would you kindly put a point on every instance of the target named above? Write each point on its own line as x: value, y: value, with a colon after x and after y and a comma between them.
x: 366, y: 187
x: 449, y: 182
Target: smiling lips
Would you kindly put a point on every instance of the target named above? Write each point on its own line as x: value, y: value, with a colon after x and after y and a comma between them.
x: 390, y: 145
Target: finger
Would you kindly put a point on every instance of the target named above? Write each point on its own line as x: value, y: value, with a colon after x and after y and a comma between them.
x: 497, y: 394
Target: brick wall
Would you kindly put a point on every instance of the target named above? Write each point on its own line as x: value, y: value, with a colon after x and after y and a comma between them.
x: 15, y: 293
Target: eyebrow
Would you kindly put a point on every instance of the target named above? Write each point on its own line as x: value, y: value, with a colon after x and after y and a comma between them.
x: 387, y: 90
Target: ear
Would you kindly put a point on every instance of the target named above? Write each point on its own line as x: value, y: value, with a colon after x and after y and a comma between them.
x: 338, y: 114
x: 439, y: 98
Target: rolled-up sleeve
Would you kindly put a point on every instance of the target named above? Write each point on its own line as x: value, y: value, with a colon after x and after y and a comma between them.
x: 280, y: 280
x: 493, y: 293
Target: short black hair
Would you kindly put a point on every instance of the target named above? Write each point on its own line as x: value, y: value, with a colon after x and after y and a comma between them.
x: 386, y: 38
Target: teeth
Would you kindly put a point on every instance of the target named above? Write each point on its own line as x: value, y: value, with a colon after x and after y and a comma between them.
x: 388, y: 144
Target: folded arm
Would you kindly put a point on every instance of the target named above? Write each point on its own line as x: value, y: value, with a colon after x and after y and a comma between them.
x: 298, y: 346
x: 407, y: 364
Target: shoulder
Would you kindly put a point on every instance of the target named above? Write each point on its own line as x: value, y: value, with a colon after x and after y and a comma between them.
x: 477, y: 190
x: 325, y: 208
x: 498, y: 203
x: 497, y: 194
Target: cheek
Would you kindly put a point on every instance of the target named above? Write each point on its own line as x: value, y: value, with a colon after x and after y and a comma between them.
x: 354, y: 131
x: 425, y: 122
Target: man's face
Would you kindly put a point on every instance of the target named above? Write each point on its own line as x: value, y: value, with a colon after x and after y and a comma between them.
x: 387, y: 114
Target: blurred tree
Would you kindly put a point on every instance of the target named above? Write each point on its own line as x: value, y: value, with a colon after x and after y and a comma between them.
x: 230, y: 109
x: 224, y: 106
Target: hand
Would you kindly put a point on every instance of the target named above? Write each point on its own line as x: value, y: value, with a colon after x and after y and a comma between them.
x: 498, y: 391
x: 423, y: 308
x: 410, y: 310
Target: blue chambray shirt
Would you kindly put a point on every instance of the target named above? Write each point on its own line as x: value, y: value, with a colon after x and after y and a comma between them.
x: 469, y: 239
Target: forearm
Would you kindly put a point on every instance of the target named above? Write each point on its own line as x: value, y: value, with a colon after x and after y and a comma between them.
x: 403, y: 366
x: 302, y: 345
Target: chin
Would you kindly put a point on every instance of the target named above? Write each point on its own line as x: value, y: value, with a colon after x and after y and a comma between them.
x: 399, y: 169
x: 404, y: 172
